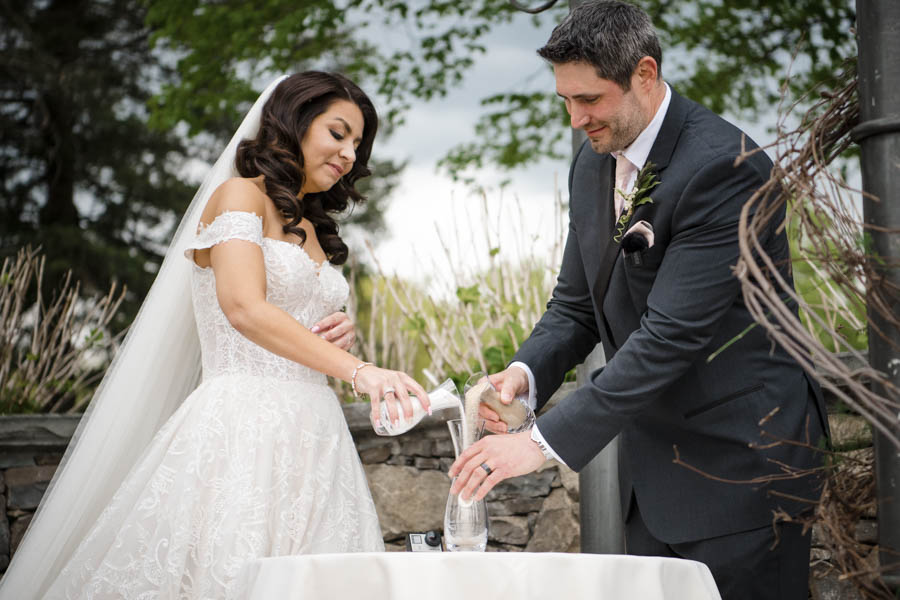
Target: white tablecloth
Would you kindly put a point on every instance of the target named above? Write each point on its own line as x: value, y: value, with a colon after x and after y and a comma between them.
x: 475, y: 576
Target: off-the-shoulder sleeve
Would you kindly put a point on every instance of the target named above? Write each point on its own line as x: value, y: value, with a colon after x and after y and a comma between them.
x: 231, y: 225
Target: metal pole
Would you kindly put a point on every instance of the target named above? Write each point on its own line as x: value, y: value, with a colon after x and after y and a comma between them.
x: 878, y: 135
x: 602, y: 527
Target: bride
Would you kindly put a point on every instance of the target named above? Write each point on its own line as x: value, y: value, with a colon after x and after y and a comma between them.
x: 159, y: 498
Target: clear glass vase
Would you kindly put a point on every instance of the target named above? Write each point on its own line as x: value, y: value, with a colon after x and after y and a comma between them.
x: 465, y: 521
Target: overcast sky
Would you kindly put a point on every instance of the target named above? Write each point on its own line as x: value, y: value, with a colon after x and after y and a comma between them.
x: 427, y: 201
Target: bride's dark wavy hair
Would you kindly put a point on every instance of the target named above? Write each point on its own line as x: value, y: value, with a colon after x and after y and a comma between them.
x: 275, y: 153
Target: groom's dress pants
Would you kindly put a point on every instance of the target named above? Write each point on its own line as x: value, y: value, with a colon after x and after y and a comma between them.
x: 744, y: 565
x: 768, y: 563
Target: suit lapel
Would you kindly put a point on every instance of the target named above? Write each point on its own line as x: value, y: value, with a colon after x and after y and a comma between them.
x: 673, y: 123
x: 610, y: 249
x: 660, y: 155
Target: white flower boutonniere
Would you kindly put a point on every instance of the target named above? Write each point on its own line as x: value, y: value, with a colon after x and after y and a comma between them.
x: 646, y: 181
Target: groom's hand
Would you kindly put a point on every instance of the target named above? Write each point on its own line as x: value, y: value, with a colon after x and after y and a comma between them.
x: 510, y: 382
x: 505, y: 455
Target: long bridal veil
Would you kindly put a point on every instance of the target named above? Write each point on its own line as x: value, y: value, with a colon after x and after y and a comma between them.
x: 157, y: 366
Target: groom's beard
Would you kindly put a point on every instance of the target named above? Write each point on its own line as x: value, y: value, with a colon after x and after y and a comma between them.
x: 622, y: 128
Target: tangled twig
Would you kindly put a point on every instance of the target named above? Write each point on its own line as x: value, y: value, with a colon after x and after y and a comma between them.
x: 835, y: 245
x: 834, y: 241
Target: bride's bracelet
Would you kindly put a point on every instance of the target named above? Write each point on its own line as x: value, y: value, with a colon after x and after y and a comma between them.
x: 353, y: 377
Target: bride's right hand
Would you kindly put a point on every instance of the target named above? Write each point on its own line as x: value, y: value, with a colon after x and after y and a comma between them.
x: 391, y: 387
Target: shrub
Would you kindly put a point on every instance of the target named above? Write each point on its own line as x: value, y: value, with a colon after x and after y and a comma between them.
x: 51, y: 352
x: 463, y: 319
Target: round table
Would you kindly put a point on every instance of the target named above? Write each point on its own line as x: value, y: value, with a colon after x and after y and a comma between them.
x: 473, y: 576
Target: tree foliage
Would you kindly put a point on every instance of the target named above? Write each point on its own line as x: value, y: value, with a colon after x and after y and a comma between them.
x: 738, y: 51
x: 223, y: 50
x: 733, y: 56
x: 82, y: 176
x: 88, y: 180
x: 730, y: 55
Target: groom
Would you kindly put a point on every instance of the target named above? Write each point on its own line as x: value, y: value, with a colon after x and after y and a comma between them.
x: 655, y: 198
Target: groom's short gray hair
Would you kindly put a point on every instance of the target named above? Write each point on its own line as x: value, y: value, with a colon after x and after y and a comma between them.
x: 611, y: 36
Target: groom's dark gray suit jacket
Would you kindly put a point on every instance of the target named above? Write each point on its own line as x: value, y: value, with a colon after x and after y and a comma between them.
x: 659, y: 320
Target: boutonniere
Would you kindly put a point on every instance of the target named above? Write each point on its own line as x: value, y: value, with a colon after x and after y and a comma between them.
x: 646, y: 180
x: 638, y: 238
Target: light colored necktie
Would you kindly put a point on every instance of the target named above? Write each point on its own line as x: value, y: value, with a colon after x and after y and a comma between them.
x: 624, y: 170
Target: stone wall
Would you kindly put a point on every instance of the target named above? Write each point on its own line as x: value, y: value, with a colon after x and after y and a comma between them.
x: 407, y: 475
x: 31, y: 447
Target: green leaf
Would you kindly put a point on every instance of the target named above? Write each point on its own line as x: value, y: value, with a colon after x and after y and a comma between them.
x: 468, y: 295
x: 415, y: 324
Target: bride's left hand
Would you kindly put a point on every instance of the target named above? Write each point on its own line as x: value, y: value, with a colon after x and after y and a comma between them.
x: 336, y: 328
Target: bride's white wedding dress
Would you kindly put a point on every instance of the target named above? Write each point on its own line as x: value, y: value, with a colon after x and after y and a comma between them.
x: 258, y: 461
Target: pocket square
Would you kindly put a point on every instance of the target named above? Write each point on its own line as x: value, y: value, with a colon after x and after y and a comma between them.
x: 638, y: 238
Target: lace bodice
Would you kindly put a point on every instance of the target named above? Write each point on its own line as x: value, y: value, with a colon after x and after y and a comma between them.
x: 294, y: 282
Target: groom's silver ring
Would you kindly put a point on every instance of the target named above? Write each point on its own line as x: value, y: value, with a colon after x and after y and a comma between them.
x: 389, y: 391
x: 486, y: 468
